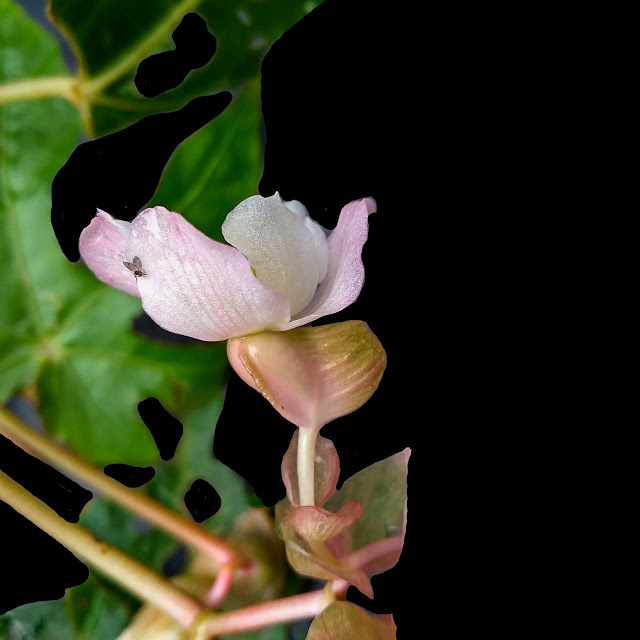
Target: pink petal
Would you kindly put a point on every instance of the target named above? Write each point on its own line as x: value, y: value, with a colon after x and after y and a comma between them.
x: 345, y: 275
x: 102, y: 247
x: 195, y: 286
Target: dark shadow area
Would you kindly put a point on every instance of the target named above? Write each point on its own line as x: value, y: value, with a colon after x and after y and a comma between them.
x: 129, y: 475
x: 195, y: 46
x: 338, y: 141
x: 251, y: 437
x: 202, y: 500
x: 66, y: 497
x: 33, y: 565
x: 165, y: 428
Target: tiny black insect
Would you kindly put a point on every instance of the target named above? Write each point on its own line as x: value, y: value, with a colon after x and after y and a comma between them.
x: 135, y: 266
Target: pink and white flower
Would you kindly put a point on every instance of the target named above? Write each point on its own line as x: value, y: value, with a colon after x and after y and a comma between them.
x: 282, y: 271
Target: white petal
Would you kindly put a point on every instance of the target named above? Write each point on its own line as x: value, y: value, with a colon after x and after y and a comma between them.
x: 286, y: 248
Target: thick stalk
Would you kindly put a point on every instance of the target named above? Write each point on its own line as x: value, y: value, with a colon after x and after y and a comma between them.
x: 115, y: 564
x: 37, y: 88
x: 183, y: 529
x: 306, y: 465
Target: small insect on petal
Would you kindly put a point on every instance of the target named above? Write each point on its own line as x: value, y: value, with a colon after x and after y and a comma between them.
x: 135, y: 266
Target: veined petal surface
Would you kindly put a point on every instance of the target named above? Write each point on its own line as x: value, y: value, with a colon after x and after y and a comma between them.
x: 195, y: 286
x: 345, y: 272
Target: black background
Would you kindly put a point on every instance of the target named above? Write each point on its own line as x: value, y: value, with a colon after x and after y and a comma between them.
x: 347, y: 96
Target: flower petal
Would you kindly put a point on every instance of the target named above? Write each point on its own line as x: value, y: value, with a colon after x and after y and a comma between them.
x: 312, y: 375
x: 287, y: 249
x: 345, y: 274
x: 195, y: 286
x: 102, y: 247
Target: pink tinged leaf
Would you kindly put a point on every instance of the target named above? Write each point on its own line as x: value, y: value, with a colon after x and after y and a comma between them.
x: 318, y: 524
x: 313, y: 557
x: 376, y: 539
x: 347, y: 621
x: 102, y: 246
x: 345, y: 273
x: 316, y: 565
x: 312, y: 375
x: 196, y: 286
x: 326, y: 472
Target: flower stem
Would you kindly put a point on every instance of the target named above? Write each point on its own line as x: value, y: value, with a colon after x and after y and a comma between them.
x: 115, y: 564
x: 139, y: 503
x: 306, y: 465
x: 300, y: 607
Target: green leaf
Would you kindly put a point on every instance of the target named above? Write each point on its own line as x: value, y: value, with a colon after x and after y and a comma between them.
x: 195, y: 460
x: 37, y: 621
x: 346, y: 621
x: 97, y: 613
x: 217, y: 167
x: 382, y: 491
x: 60, y: 326
x: 111, y: 38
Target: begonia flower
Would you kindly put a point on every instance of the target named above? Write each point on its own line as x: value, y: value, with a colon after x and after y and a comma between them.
x: 282, y: 271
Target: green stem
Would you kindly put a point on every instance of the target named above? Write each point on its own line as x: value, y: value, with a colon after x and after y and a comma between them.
x: 306, y: 465
x: 139, y: 503
x: 47, y: 87
x: 115, y: 564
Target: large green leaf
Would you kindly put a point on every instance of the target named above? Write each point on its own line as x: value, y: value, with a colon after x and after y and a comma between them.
x: 59, y: 325
x: 112, y: 38
x: 68, y: 336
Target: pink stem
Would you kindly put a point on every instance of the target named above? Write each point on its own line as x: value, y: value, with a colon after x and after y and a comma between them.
x: 300, y: 607
x: 220, y: 587
x: 387, y: 546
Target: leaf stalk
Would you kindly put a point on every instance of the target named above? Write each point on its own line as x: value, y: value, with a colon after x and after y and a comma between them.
x: 139, y: 503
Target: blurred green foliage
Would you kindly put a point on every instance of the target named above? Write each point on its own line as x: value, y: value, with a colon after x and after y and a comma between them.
x: 65, y: 338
